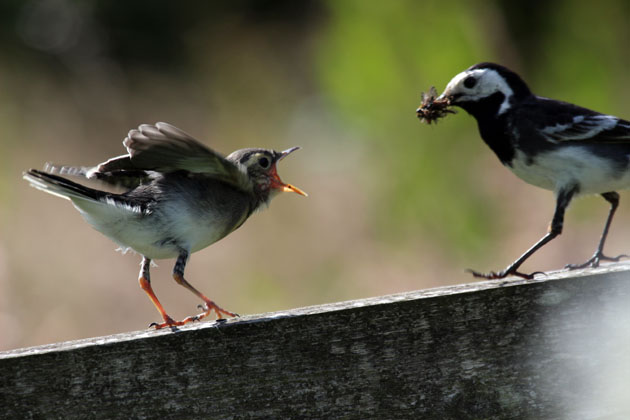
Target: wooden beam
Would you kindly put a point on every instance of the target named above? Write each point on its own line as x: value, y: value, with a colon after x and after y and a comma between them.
x: 553, y: 347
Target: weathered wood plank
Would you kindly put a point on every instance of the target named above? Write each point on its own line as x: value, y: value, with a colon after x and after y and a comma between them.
x: 554, y: 347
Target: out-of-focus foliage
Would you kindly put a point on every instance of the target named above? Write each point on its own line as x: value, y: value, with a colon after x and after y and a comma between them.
x: 373, y: 63
x: 394, y: 205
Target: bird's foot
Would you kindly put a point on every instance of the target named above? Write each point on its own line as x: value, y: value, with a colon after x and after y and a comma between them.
x: 503, y: 274
x: 594, y: 261
x: 207, y: 309
x: 209, y: 306
x: 171, y: 323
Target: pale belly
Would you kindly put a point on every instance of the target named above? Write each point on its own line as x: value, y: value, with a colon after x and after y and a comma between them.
x: 571, y: 165
x: 163, y: 235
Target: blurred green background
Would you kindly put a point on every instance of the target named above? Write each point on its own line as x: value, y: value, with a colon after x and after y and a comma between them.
x: 394, y: 205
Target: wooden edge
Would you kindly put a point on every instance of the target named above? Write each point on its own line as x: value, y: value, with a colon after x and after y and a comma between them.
x: 317, y: 309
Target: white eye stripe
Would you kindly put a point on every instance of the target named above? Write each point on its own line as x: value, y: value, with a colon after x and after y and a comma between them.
x: 247, y: 157
x: 487, y: 82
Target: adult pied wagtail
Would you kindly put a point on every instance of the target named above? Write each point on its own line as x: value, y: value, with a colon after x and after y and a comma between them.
x: 548, y: 143
x: 180, y: 197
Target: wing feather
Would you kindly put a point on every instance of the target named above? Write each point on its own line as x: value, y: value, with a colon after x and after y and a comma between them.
x: 564, y: 122
x: 165, y: 148
x: 160, y: 148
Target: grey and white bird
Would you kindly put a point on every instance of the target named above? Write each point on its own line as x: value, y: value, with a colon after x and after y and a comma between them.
x: 180, y: 197
x: 551, y: 144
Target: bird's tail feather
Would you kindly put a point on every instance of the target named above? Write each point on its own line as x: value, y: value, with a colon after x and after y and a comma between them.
x: 61, y: 187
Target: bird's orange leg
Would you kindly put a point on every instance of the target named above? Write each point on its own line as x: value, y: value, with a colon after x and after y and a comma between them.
x: 178, y: 276
x: 209, y: 304
x: 145, y: 284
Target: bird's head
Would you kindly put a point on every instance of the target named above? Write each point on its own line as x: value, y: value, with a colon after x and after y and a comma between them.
x: 485, y: 87
x: 260, y: 165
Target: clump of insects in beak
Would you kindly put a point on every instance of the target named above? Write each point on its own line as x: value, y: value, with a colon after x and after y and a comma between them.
x: 430, y: 110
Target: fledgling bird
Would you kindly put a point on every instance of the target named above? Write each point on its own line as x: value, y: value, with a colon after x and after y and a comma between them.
x: 551, y: 144
x: 180, y: 197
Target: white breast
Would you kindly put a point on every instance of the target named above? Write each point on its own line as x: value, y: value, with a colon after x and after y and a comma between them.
x: 569, y: 165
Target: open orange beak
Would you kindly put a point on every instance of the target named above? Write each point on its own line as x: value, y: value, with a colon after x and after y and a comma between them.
x: 277, y: 183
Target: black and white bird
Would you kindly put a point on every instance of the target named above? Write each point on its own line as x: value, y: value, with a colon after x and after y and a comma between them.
x: 551, y: 144
x: 180, y: 197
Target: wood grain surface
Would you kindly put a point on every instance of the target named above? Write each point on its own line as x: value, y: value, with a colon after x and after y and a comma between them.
x: 553, y: 347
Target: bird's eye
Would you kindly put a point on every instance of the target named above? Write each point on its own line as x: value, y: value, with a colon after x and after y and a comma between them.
x: 263, y: 162
x: 470, y: 82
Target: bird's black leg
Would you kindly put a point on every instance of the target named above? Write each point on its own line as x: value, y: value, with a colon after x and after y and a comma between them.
x: 562, y: 202
x: 178, y: 275
x: 613, y: 199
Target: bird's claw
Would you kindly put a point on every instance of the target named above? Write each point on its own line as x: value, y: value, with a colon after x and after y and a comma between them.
x: 207, y: 309
x: 209, y: 306
x: 503, y: 274
x: 594, y: 261
x: 170, y: 322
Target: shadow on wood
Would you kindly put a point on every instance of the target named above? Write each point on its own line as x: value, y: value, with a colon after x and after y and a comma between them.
x: 553, y: 347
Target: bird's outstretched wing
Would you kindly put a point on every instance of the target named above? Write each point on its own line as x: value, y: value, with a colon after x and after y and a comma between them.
x: 572, y: 123
x: 165, y: 148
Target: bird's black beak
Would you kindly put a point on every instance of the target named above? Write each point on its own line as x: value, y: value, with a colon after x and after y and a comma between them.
x: 276, y: 182
x: 285, y: 153
x: 447, y: 98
